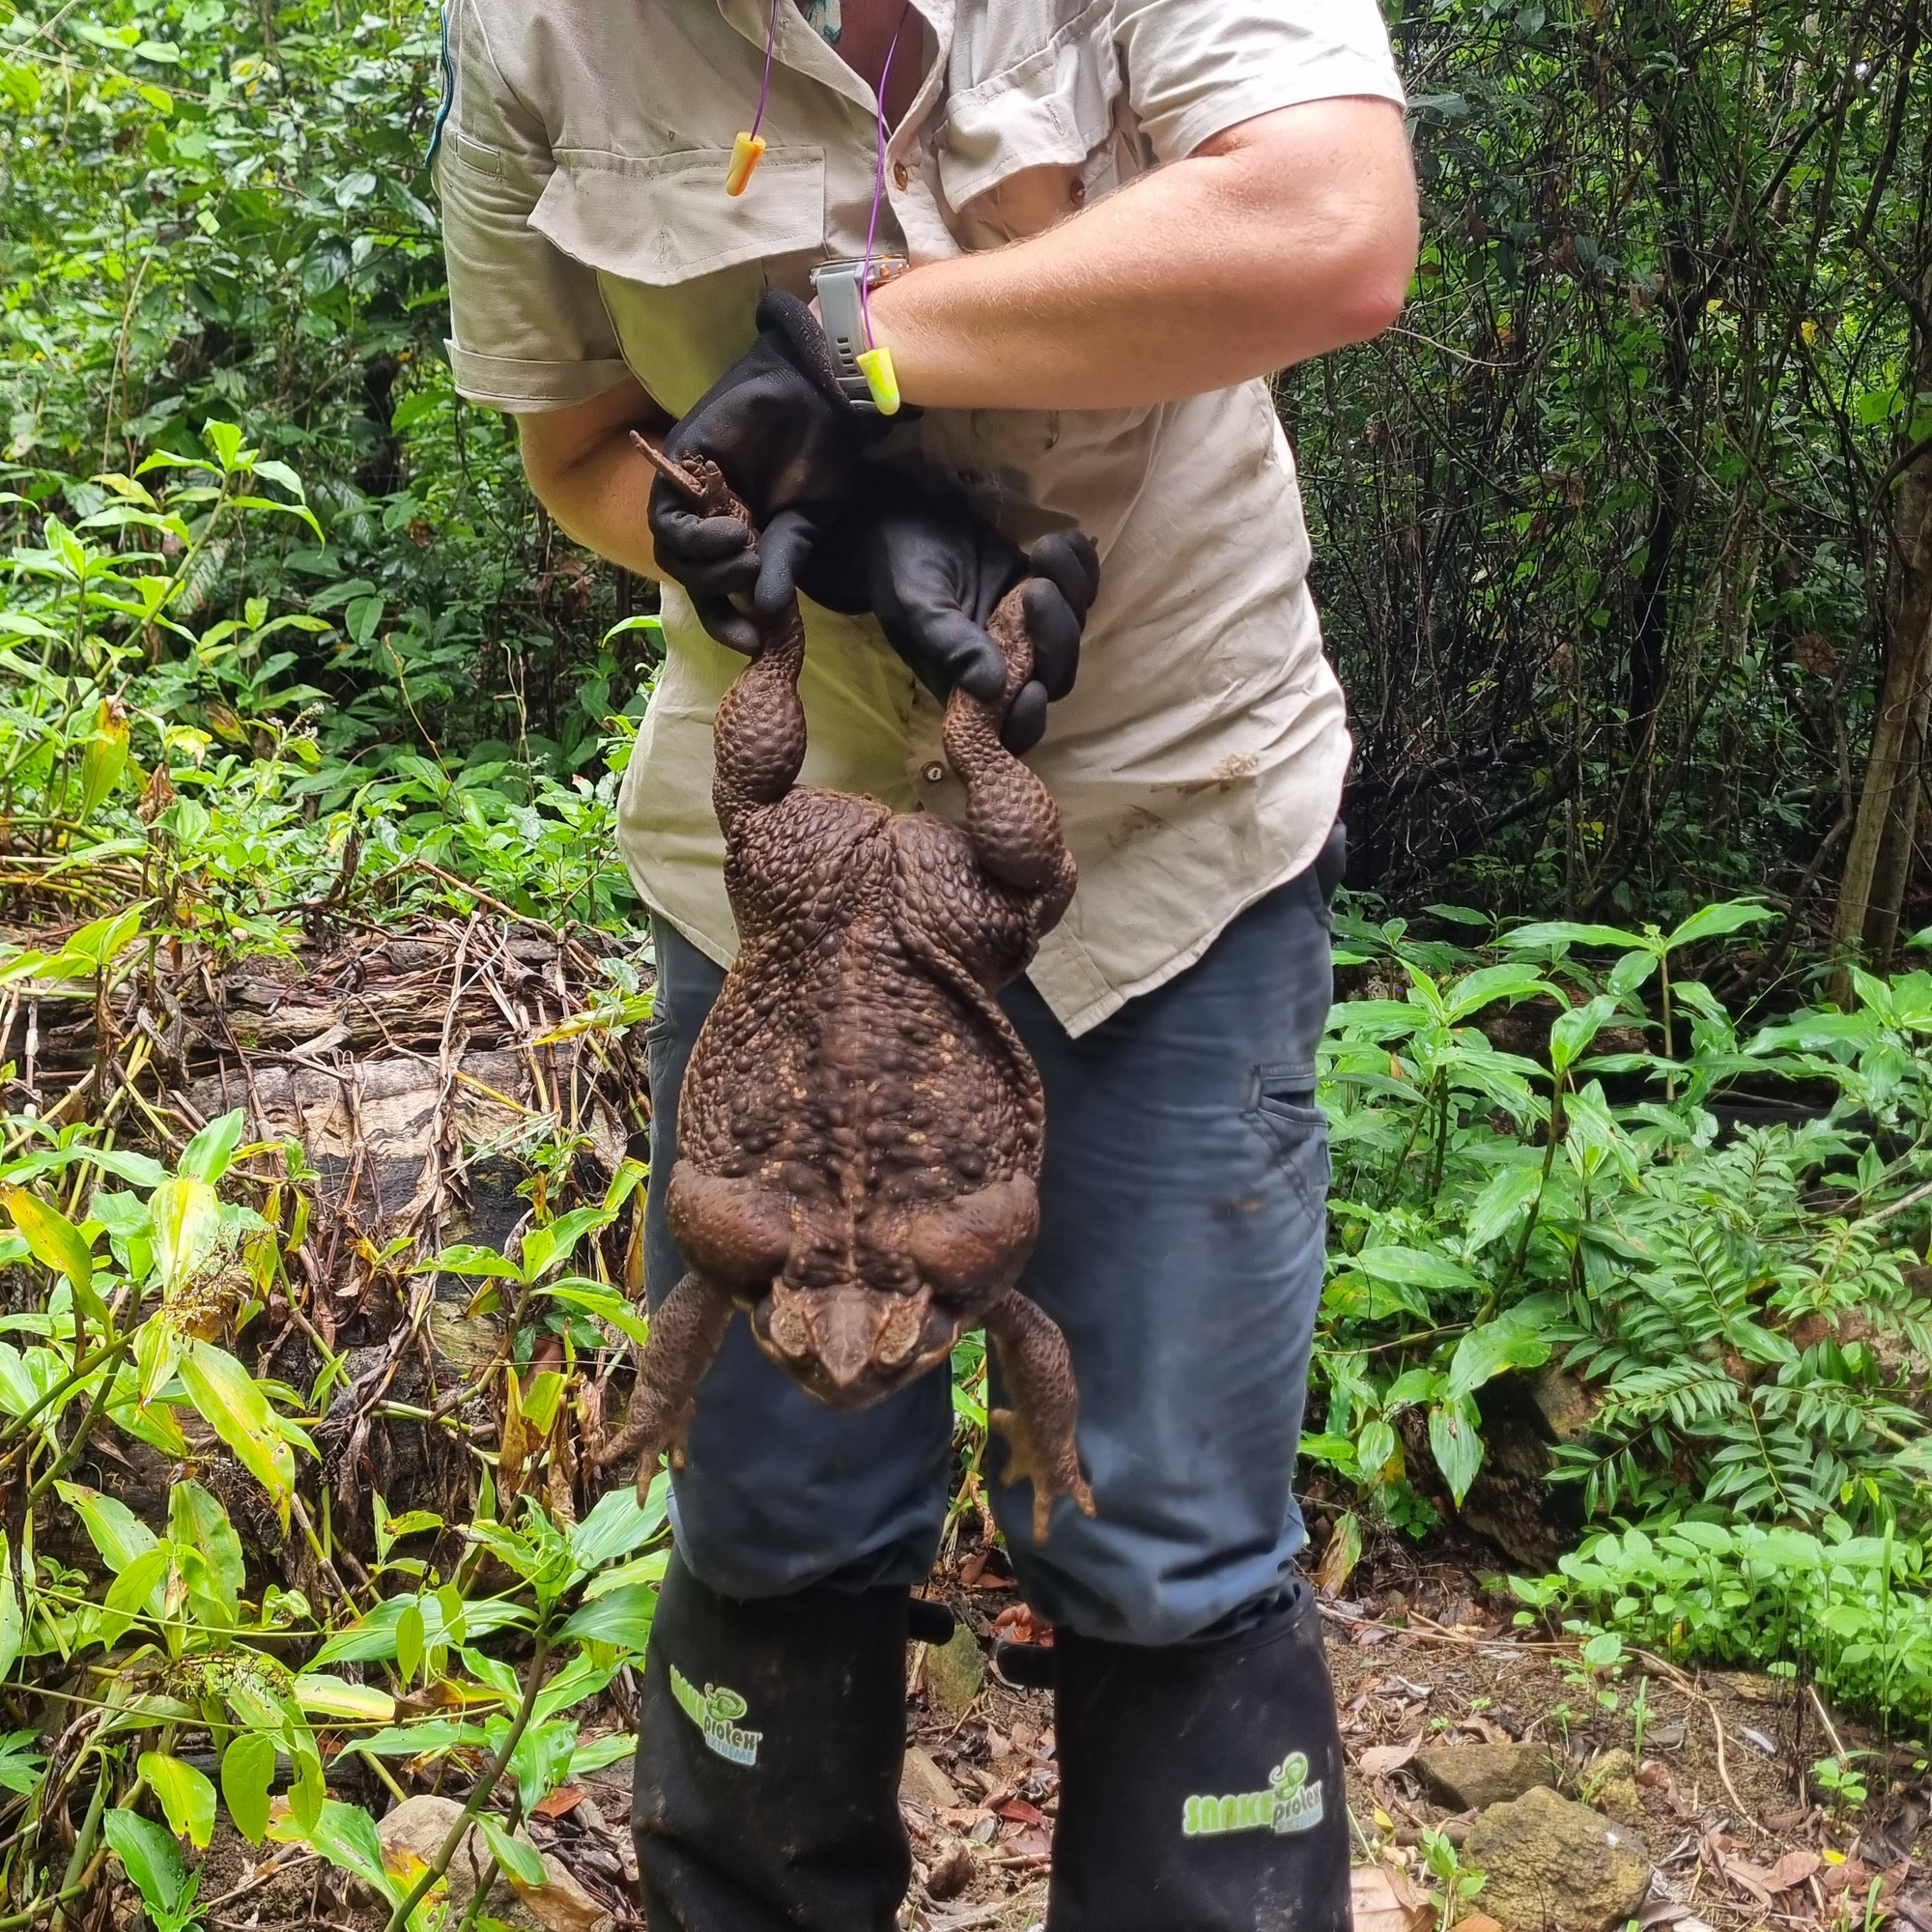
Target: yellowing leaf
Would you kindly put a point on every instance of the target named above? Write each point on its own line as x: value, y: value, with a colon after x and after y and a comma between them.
x: 105, y: 756
x: 187, y: 1798
x: 57, y: 1242
x: 232, y: 1403
x: 330, y: 1697
x: 188, y: 1221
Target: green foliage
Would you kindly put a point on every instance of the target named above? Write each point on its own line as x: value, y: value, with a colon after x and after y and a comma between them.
x: 1736, y: 1307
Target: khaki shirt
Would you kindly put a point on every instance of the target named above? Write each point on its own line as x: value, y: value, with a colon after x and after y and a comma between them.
x: 1199, y: 761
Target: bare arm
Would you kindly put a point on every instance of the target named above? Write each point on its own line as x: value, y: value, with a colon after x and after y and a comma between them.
x: 582, y: 465
x: 1278, y: 239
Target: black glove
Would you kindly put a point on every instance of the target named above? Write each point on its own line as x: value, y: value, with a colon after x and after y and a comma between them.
x: 931, y: 570
x: 790, y: 446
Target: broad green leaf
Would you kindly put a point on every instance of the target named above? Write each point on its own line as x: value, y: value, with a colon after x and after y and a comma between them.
x: 524, y: 1864
x: 158, y: 1347
x: 142, y: 1586
x: 187, y: 1798
x: 20, y: 1765
x: 538, y: 1762
x: 1630, y: 972
x: 197, y: 1518
x: 1503, y: 1198
x: 57, y: 1243
x: 601, y: 1752
x: 187, y: 1223
x: 11, y: 1627
x: 417, y: 1740
x: 1712, y: 922
x: 233, y: 1405
x: 1484, y: 988
x: 309, y: 1793
x: 1413, y: 1267
x: 1455, y: 1443
x: 116, y: 1531
x: 581, y: 1678
x: 1548, y: 933
x: 1571, y: 1033
x: 372, y: 1637
x: 152, y: 1858
x: 1485, y: 1353
x: 345, y: 1837
x: 248, y: 1770
x: 623, y: 1617
x: 617, y: 1525
x: 409, y: 1641
x: 604, y: 1303
x: 465, y: 1257
x: 206, y: 1156
x: 224, y: 443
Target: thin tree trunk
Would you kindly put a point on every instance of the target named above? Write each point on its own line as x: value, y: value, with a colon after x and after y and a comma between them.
x: 1878, y: 866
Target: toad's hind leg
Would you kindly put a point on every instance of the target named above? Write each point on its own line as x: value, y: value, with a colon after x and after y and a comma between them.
x: 1038, y: 1427
x: 685, y: 1337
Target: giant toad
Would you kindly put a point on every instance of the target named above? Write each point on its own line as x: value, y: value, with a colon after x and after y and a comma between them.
x: 860, y: 1131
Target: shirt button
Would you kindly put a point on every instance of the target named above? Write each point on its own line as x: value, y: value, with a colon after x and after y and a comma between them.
x: 901, y: 174
x: 933, y: 773
x: 1076, y: 192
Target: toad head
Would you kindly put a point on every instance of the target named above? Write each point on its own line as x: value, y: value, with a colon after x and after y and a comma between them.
x: 854, y: 1303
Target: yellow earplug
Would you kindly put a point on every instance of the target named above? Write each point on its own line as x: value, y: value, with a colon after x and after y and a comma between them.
x: 876, y: 367
x: 745, y: 152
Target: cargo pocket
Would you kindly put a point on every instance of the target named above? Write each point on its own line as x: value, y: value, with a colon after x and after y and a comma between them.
x: 1282, y: 1109
x: 680, y: 263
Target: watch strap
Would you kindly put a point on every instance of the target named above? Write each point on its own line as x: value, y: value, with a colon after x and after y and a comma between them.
x: 837, y: 284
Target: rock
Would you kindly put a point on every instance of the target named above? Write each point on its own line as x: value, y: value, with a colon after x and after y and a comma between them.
x: 414, y: 1834
x: 1551, y: 1862
x: 1471, y: 1778
x: 1610, y: 1786
x: 1565, y: 1404
x: 954, y: 1672
x: 925, y: 1784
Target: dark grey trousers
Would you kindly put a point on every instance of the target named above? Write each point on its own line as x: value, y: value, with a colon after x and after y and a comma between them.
x: 1181, y: 1250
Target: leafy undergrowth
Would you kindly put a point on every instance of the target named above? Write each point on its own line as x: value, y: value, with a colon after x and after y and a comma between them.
x: 1551, y: 1164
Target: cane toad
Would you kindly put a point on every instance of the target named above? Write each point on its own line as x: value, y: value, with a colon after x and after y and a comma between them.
x: 860, y: 1131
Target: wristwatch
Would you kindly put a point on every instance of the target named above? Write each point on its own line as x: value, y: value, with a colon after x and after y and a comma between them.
x: 836, y: 285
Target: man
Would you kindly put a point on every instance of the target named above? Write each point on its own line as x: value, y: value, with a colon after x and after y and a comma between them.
x: 1120, y: 215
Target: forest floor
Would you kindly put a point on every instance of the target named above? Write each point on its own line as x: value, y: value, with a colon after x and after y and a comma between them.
x: 1426, y: 1661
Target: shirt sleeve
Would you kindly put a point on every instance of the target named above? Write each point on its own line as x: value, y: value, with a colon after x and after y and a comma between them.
x: 1196, y: 68
x: 530, y: 331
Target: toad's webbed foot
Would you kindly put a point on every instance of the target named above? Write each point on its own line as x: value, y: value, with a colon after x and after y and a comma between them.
x: 1038, y: 1427
x: 684, y: 1341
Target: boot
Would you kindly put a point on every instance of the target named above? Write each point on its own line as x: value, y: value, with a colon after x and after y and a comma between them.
x: 770, y: 1738
x: 1201, y: 1784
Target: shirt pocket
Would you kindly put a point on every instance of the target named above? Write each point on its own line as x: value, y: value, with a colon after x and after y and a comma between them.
x: 1036, y: 94
x: 680, y: 263
x: 665, y: 220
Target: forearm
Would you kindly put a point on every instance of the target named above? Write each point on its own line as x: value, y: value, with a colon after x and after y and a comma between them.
x: 589, y: 475
x: 1274, y: 242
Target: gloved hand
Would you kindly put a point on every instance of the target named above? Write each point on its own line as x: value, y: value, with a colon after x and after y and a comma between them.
x: 790, y: 446
x: 931, y: 570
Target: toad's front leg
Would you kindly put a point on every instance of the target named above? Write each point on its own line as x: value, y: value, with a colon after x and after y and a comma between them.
x: 1038, y: 1427
x: 686, y: 1334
